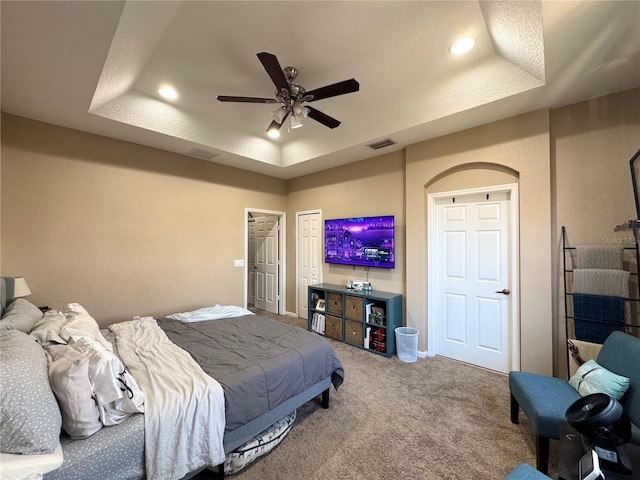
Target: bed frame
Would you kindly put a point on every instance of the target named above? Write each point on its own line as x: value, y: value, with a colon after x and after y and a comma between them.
x: 246, y: 432
x: 240, y: 435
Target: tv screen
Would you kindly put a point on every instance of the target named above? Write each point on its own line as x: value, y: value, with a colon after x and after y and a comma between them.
x: 361, y: 241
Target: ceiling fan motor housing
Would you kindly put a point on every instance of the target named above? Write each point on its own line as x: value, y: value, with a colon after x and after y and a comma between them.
x: 290, y: 73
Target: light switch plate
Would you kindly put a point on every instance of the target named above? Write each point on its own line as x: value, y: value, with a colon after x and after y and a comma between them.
x: 238, y: 263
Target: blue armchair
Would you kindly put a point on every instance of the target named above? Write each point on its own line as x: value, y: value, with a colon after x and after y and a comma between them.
x: 525, y: 472
x: 545, y: 399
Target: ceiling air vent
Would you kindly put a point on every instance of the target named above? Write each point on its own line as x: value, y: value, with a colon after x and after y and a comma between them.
x: 201, y: 154
x: 382, y: 143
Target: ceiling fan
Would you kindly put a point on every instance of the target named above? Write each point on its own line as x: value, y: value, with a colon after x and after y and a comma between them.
x: 291, y: 96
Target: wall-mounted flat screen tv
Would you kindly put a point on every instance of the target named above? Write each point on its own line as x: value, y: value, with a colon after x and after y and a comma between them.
x: 360, y: 241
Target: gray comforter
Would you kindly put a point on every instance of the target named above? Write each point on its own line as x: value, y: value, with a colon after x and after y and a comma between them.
x: 258, y: 361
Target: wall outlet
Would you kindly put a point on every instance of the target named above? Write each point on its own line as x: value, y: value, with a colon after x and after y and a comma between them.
x: 238, y: 263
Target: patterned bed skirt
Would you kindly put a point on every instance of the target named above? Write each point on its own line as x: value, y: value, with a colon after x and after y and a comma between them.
x: 259, y: 445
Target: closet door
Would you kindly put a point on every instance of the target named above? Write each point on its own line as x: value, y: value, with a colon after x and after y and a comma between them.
x: 309, y: 248
x: 472, y: 279
x: 267, y: 259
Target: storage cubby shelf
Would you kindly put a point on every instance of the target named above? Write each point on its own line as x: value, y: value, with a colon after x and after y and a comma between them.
x: 365, y: 319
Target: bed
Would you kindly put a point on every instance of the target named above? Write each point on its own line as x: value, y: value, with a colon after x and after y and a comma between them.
x: 266, y: 369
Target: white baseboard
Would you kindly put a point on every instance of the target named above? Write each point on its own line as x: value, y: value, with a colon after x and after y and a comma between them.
x: 290, y: 314
x: 422, y: 354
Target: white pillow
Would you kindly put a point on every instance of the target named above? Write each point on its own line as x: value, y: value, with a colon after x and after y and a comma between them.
x: 81, y: 324
x: 47, y: 331
x: 116, y: 391
x: 210, y: 313
x: 69, y: 376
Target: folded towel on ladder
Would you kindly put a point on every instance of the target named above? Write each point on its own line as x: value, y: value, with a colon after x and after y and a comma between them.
x: 601, y: 281
x: 596, y: 316
x: 600, y: 256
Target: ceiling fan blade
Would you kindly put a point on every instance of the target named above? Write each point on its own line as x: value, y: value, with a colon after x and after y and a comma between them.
x: 225, y: 98
x: 273, y: 68
x: 323, y: 118
x: 335, y: 89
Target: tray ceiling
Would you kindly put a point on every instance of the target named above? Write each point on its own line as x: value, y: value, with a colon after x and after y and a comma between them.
x: 97, y: 66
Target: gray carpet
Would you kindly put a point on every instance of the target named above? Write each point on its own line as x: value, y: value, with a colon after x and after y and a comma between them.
x: 433, y: 419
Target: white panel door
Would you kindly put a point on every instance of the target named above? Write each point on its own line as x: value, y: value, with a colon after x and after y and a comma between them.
x: 472, y: 271
x: 309, y: 257
x: 267, y: 259
x: 251, y: 255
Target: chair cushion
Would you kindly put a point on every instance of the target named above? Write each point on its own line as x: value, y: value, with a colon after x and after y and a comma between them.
x: 621, y: 354
x: 525, y: 472
x: 543, y: 399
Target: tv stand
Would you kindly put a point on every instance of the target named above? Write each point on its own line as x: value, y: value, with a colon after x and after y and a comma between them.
x: 366, y: 319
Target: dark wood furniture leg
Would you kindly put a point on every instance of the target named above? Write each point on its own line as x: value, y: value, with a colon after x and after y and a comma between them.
x: 219, y: 473
x: 542, y: 443
x: 542, y: 453
x: 515, y: 408
x: 325, y: 399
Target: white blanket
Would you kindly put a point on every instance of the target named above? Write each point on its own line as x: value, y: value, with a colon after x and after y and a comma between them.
x: 211, y: 313
x: 184, y: 407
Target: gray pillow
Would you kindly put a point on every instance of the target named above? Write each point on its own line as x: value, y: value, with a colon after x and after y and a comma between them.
x: 20, y: 315
x: 30, y: 415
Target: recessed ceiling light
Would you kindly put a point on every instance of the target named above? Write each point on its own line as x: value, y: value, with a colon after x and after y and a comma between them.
x: 462, y: 46
x: 168, y: 92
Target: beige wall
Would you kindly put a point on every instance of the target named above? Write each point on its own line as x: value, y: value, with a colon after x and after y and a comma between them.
x: 129, y: 230
x: 366, y: 188
x: 591, y: 144
x: 487, y: 155
x: 121, y: 228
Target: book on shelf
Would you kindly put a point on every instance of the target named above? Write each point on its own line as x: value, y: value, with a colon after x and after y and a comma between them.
x: 318, y: 323
x: 378, y: 341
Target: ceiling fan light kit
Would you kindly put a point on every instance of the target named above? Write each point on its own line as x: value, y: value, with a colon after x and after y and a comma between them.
x: 291, y: 96
x: 274, y: 129
x: 279, y: 114
x: 296, y: 121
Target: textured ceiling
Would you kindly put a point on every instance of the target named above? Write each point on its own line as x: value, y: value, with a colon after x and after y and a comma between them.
x: 96, y: 66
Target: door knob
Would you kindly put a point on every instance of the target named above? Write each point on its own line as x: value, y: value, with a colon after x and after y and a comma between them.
x: 505, y: 291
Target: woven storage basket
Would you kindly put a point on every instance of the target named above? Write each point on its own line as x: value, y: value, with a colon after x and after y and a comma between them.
x: 354, y: 308
x: 334, y: 303
x: 333, y: 327
x: 353, y: 333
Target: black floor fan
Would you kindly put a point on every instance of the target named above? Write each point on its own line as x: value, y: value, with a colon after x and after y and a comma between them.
x: 605, y: 428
